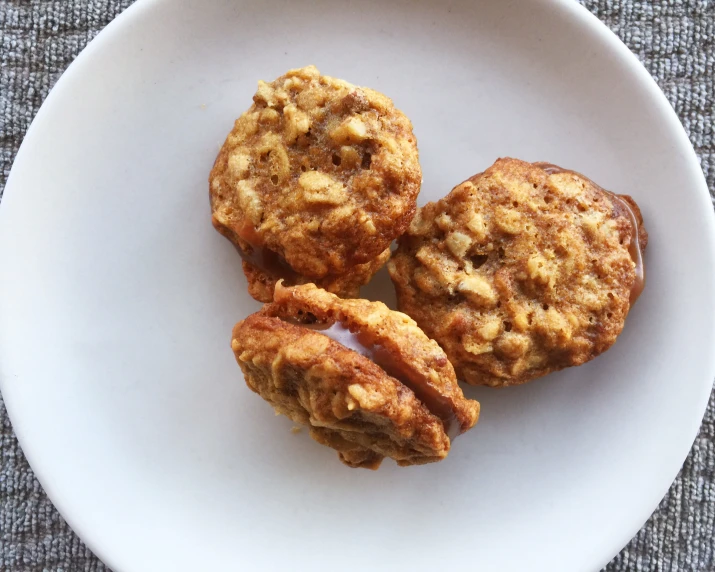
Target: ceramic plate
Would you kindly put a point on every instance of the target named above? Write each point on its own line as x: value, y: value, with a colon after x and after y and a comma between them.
x: 118, y: 297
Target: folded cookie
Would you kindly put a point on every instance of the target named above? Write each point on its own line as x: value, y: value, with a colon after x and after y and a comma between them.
x: 521, y: 270
x: 314, y: 182
x: 365, y: 379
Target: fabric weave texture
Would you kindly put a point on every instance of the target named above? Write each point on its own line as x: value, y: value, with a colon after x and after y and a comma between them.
x: 675, y: 39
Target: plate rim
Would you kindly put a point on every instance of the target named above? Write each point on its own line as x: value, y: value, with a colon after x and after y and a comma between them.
x: 574, y: 12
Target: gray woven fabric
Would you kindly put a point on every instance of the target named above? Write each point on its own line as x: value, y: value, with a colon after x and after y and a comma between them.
x: 676, y: 41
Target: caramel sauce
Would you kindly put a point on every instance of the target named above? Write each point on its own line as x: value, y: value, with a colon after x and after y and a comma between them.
x: 438, y: 404
x: 269, y: 262
x: 634, y: 248
x: 262, y: 257
x: 248, y: 233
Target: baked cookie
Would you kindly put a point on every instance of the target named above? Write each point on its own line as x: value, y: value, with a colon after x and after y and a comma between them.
x: 270, y: 268
x: 321, y: 175
x: 365, y: 379
x: 521, y: 270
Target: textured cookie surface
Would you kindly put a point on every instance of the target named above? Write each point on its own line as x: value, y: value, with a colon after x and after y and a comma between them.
x: 262, y: 278
x: 521, y: 270
x: 350, y: 402
x: 321, y: 172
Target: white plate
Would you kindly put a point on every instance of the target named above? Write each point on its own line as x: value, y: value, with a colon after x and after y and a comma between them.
x: 118, y: 297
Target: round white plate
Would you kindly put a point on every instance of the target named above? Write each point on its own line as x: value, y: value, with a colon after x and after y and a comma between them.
x: 118, y: 297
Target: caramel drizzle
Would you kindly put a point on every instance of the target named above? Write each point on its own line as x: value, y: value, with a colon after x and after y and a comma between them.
x: 634, y: 248
x: 269, y: 262
x: 439, y: 405
x: 263, y: 258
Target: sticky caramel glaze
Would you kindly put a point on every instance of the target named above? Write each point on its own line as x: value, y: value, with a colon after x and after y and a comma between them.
x: 438, y: 404
x: 634, y: 248
x: 269, y: 262
x: 272, y: 263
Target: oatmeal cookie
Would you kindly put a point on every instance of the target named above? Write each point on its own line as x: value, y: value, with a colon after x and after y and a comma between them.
x: 262, y: 277
x: 521, y: 270
x: 363, y: 378
x: 319, y: 173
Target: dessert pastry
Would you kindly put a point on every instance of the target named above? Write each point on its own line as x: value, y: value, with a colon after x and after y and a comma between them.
x: 314, y: 182
x: 521, y: 270
x: 364, y: 379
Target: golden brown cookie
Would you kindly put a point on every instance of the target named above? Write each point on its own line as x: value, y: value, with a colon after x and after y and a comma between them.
x: 262, y: 278
x: 364, y: 379
x: 521, y: 270
x: 320, y: 176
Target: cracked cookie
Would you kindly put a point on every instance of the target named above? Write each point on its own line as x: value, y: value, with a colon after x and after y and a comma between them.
x: 521, y: 270
x: 314, y: 182
x: 364, y: 379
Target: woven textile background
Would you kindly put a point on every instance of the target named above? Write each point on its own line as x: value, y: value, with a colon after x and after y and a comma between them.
x: 675, y: 39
